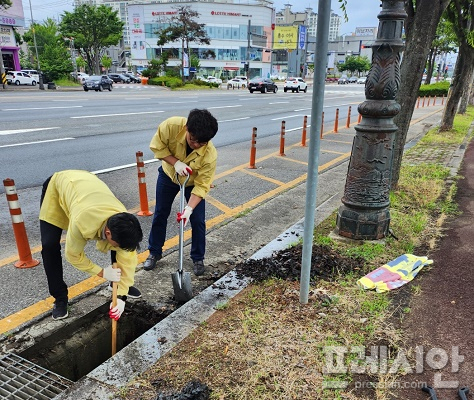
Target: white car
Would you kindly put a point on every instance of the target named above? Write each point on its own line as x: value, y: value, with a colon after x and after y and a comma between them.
x: 362, y: 80
x: 295, y: 84
x: 213, y: 79
x: 81, y: 76
x: 20, y: 78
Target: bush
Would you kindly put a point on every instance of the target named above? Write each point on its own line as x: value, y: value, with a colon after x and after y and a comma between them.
x: 438, y: 89
x: 168, y: 81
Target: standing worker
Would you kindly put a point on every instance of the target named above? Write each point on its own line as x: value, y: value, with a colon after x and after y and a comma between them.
x: 184, y: 146
x: 82, y: 204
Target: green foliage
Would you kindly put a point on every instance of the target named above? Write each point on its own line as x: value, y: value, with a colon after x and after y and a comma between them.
x: 435, y: 89
x: 169, y: 81
x: 94, y: 28
x: 4, y: 4
x: 106, y: 62
x: 355, y: 64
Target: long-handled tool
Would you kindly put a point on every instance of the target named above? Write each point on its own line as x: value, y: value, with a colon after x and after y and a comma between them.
x: 114, y: 322
x: 463, y: 392
x: 183, y: 290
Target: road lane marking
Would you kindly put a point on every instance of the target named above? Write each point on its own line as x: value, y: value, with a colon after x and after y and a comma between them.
x: 235, y: 119
x: 286, y: 117
x: 38, y: 142
x: 38, y: 108
x: 15, y: 131
x: 116, y: 115
x: 213, y: 108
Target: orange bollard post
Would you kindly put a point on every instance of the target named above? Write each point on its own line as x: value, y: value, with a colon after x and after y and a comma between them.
x: 360, y: 118
x: 303, y: 135
x: 434, y: 101
x: 282, y: 139
x: 336, y: 121
x: 442, y: 100
x: 348, y: 123
x: 423, y: 104
x: 253, y: 148
x: 429, y: 99
x: 25, y: 258
x: 144, y: 210
x: 322, y: 125
x: 418, y: 102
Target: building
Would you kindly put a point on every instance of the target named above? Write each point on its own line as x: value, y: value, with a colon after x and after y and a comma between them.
x: 11, y: 18
x: 239, y: 33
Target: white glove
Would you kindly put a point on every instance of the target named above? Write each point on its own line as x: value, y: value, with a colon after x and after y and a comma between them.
x: 112, y: 274
x: 116, y: 312
x: 185, y: 215
x: 182, y: 169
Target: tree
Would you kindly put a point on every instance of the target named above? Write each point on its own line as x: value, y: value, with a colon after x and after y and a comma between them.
x: 460, y: 13
x: 94, y: 28
x: 355, y: 63
x: 4, y: 4
x: 106, y: 62
x: 52, y: 51
x: 183, y: 28
x: 420, y: 29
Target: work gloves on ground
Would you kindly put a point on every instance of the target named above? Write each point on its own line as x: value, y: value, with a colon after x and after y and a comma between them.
x: 117, y: 311
x: 182, y: 169
x: 184, y: 215
x: 112, y: 274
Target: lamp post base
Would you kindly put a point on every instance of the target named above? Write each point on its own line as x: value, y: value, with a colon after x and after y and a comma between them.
x: 362, y: 224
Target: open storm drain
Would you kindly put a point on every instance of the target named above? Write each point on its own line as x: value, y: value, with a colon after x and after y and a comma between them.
x: 57, y: 361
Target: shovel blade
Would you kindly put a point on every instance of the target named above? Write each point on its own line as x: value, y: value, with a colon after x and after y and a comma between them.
x: 183, y: 290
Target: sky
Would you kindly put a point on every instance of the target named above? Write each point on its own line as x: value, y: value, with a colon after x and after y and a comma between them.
x: 361, y: 13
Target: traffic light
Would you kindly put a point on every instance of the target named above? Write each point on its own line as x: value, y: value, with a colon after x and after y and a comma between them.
x: 439, y: 67
x: 246, y: 67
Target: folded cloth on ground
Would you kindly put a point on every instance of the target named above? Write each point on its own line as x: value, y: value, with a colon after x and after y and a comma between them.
x: 394, y: 274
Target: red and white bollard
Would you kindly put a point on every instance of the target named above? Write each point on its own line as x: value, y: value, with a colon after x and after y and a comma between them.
x: 21, y: 238
x: 144, y: 210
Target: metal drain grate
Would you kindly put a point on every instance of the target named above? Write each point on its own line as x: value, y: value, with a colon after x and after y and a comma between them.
x: 20, y: 379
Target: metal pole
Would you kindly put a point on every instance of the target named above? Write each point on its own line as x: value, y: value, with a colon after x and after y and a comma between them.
x: 2, y: 71
x: 41, y: 86
x: 247, y: 65
x: 322, y: 35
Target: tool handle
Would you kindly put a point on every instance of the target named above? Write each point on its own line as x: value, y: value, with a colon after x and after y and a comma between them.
x: 114, y: 322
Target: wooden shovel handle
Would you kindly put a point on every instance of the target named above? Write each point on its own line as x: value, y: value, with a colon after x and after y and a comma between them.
x: 114, y: 322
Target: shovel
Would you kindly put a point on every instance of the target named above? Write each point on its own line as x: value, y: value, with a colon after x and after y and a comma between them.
x: 114, y: 322
x: 183, y: 290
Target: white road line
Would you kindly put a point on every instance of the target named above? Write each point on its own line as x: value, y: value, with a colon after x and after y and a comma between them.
x: 38, y: 108
x: 118, y: 167
x: 39, y: 142
x: 288, y: 116
x: 15, y: 131
x: 115, y: 115
x: 235, y: 119
x: 213, y: 108
x: 280, y: 102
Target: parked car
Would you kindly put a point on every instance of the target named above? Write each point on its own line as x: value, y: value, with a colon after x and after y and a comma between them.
x: 213, y: 79
x: 342, y: 80
x: 33, y: 73
x: 352, y: 79
x: 133, y: 78
x: 20, y: 78
x: 295, y: 84
x: 80, y: 76
x: 201, y: 78
x: 362, y: 80
x: 119, y: 78
x: 262, y: 85
x: 97, y: 83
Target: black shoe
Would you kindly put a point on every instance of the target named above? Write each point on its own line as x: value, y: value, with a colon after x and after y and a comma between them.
x: 60, y: 310
x: 133, y: 292
x: 198, y: 268
x: 150, y: 262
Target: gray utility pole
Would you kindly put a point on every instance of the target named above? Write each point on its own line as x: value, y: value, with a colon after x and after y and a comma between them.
x: 319, y: 79
x: 41, y: 86
x: 247, y: 64
x: 365, y: 213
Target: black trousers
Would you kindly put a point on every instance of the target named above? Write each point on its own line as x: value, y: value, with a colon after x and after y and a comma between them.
x: 51, y: 254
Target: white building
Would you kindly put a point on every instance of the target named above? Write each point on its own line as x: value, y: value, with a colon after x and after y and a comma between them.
x: 227, y: 26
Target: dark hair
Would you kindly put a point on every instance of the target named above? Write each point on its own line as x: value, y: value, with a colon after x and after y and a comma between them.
x: 125, y: 230
x: 201, y: 125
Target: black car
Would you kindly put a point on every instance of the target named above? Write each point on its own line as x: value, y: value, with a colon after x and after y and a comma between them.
x: 133, y: 78
x: 262, y: 85
x: 97, y: 83
x: 119, y: 78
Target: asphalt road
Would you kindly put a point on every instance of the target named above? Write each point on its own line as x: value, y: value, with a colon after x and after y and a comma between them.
x: 46, y: 131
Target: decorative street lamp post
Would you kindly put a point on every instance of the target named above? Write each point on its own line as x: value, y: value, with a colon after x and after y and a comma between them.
x: 365, y: 214
x: 41, y: 86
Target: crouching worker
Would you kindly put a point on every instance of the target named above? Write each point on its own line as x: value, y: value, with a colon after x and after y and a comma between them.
x: 79, y: 202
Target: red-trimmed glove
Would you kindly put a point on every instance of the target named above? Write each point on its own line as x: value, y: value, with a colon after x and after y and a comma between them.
x: 117, y: 311
x: 185, y: 215
x: 182, y: 169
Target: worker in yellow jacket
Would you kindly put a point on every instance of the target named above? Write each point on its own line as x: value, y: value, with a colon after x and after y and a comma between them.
x: 79, y: 202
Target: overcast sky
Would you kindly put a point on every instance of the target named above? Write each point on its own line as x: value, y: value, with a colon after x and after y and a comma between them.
x: 361, y: 13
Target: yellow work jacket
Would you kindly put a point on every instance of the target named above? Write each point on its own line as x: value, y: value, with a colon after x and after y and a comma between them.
x: 170, y: 139
x: 81, y: 203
